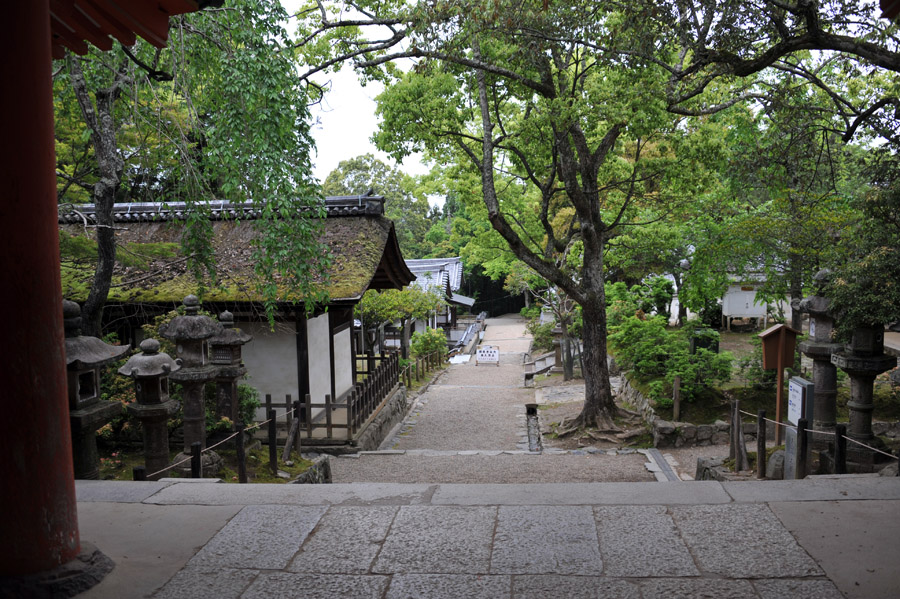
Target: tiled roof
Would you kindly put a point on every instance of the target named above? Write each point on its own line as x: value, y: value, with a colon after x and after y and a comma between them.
x: 161, y: 212
x: 363, y: 244
x: 438, y: 272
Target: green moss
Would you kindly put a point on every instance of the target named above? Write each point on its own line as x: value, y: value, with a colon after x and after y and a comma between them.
x: 140, y: 255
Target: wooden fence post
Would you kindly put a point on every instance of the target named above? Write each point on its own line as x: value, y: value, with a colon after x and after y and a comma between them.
x: 761, y: 444
x: 328, y: 408
x: 289, y: 418
x: 241, y: 456
x: 840, y: 449
x: 803, y: 448
x: 196, y: 466
x: 273, y: 443
x: 297, y: 444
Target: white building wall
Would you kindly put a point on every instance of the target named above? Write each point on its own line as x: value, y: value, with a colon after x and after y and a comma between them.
x: 343, y: 363
x: 317, y: 334
x: 271, y: 361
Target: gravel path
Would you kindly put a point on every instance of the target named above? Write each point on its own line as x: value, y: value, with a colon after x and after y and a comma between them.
x: 469, y: 426
x: 484, y: 468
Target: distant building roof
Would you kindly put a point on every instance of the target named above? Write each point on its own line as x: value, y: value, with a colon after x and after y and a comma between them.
x: 363, y: 244
x: 437, y: 272
x: 443, y: 273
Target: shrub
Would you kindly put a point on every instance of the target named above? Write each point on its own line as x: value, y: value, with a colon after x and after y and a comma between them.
x: 427, y: 342
x: 542, y: 334
x: 652, y: 351
x: 531, y: 312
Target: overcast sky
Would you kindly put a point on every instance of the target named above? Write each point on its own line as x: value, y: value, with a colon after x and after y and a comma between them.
x: 345, y: 121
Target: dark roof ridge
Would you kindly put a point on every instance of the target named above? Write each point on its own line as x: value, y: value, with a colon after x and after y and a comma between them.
x: 336, y: 206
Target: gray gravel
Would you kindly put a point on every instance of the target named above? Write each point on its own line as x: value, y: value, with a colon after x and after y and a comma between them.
x: 473, y: 407
x: 502, y: 468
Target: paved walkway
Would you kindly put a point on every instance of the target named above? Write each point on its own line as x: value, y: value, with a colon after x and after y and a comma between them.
x: 469, y: 426
x: 823, y: 539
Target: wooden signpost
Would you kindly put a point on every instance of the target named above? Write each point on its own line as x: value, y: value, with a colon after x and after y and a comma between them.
x: 778, y: 353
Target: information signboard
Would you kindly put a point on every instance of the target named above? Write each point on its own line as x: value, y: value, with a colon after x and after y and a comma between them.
x: 487, y: 354
x: 800, y: 404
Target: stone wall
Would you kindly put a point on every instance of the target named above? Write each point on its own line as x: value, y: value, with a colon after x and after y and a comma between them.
x: 318, y: 473
x: 390, y: 415
x: 681, y: 434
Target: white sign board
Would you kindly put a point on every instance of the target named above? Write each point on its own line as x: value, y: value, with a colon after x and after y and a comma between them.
x: 812, y: 328
x: 795, y: 403
x: 487, y: 354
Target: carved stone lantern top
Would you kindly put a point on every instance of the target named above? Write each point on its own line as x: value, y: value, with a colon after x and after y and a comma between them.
x: 85, y: 353
x: 230, y: 335
x: 150, y: 363
x: 192, y: 326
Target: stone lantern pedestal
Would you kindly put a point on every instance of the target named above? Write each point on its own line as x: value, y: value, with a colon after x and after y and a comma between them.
x: 863, y: 360
x: 820, y: 347
x: 150, y: 371
x: 87, y: 412
x: 190, y: 333
x: 225, y: 354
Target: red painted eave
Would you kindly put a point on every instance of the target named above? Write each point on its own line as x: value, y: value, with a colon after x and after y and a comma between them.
x: 75, y: 23
x: 890, y: 9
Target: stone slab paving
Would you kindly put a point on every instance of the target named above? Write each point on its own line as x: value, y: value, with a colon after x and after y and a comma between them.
x: 642, y: 541
x: 546, y: 540
x: 429, y: 540
x: 742, y: 541
x: 501, y: 541
x: 857, y: 543
x: 260, y: 536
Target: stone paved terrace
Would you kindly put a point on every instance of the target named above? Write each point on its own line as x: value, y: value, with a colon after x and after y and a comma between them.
x: 818, y: 538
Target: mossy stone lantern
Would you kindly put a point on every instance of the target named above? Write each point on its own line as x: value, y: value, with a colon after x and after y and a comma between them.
x: 150, y: 371
x: 225, y: 353
x: 85, y: 356
x: 190, y: 333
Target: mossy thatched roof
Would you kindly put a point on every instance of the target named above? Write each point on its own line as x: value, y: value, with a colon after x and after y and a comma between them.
x: 151, y: 267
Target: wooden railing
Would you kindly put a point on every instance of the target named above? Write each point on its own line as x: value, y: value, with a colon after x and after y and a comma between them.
x: 338, y: 421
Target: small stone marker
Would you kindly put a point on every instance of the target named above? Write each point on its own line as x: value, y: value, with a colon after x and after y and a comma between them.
x: 487, y: 354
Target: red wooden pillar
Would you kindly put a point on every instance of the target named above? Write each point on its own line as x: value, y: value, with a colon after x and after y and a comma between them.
x: 38, y: 526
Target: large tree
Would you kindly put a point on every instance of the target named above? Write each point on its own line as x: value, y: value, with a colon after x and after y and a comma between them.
x: 404, y: 203
x: 570, y: 99
x: 218, y: 115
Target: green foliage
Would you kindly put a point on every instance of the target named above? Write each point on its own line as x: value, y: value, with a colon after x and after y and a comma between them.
x: 542, y: 334
x: 654, y: 352
x: 530, y: 312
x: 427, y: 342
x: 225, y: 119
x: 865, y: 290
x: 409, y: 303
x: 405, y: 201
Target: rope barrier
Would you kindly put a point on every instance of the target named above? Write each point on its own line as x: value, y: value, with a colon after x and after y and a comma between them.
x: 830, y: 434
x: 225, y: 440
x: 890, y: 455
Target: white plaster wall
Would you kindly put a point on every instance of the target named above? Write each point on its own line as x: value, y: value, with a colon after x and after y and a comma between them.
x: 271, y: 361
x: 343, y: 363
x: 317, y: 331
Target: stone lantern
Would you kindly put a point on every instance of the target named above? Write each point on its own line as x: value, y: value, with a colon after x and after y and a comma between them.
x: 225, y: 353
x: 863, y: 359
x: 150, y: 371
x: 87, y: 412
x: 819, y: 348
x: 190, y: 333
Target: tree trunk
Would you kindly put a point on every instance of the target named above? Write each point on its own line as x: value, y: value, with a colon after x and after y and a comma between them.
x: 110, y: 164
x: 599, y: 405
